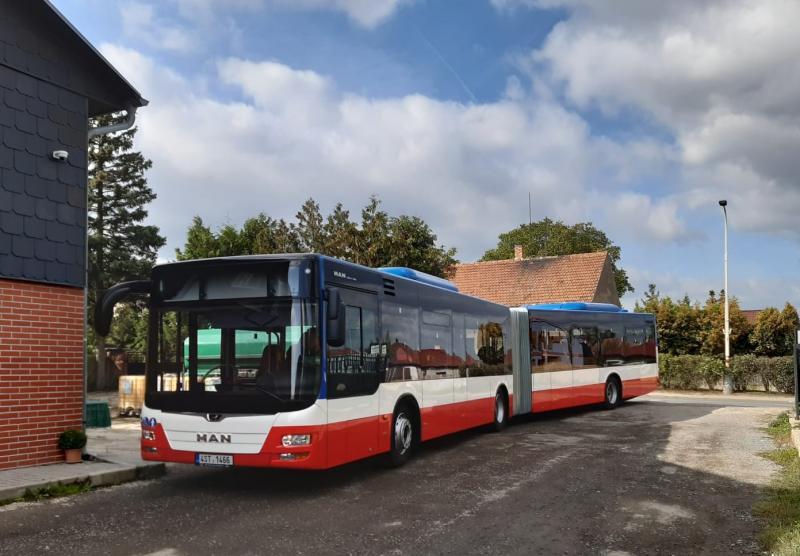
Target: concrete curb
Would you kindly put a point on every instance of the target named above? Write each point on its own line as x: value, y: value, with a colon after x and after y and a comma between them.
x: 106, y: 475
x: 795, y: 424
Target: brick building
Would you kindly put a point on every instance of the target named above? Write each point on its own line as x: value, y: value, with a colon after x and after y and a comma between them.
x: 519, y: 281
x: 51, y: 81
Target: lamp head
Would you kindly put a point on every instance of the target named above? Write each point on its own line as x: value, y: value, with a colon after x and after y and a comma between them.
x: 723, y: 203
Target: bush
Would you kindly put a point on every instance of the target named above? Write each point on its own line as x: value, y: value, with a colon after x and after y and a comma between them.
x: 675, y: 372
x: 692, y: 372
x: 780, y: 373
x: 72, y: 440
x: 747, y: 370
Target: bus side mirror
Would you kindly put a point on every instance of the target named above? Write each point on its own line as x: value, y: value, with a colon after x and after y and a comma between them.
x: 104, y: 309
x: 336, y: 320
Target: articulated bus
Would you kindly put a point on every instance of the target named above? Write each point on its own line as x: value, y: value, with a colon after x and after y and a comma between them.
x: 304, y: 361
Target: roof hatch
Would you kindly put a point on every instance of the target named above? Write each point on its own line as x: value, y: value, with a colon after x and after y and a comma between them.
x: 418, y: 276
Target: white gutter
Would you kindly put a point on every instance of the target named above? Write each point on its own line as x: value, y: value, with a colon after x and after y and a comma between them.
x: 125, y: 124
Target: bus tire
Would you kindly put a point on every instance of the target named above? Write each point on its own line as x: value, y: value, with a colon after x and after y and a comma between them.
x: 500, y: 410
x: 404, y: 434
x: 612, y: 393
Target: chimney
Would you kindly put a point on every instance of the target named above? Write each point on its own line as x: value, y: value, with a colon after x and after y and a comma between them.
x: 518, y: 252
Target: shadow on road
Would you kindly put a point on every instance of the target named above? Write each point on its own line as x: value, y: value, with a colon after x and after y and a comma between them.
x: 582, y: 481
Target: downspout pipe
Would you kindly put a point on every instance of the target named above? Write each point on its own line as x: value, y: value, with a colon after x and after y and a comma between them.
x: 124, y: 125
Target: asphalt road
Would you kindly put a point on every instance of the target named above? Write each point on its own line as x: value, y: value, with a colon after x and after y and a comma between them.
x: 656, y: 476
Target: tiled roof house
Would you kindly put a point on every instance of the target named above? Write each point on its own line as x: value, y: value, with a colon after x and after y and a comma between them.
x: 519, y: 281
x: 751, y: 315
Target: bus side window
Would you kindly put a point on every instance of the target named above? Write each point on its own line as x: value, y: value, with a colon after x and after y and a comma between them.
x: 436, y: 346
x: 584, y: 347
x: 491, y: 348
x: 611, y: 346
x: 650, y: 343
x: 634, y: 346
x: 472, y: 345
x: 556, y: 351
x: 537, y: 343
x: 353, y: 368
x: 400, y: 329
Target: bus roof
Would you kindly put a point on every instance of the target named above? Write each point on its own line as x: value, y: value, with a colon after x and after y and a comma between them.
x: 579, y: 306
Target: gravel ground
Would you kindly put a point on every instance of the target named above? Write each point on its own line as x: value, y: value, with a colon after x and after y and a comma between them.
x: 652, y: 477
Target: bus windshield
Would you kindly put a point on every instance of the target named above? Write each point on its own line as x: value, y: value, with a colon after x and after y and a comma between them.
x: 235, y: 356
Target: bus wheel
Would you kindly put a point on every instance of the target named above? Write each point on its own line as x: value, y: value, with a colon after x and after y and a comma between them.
x: 403, y: 436
x: 613, y: 393
x: 500, y: 411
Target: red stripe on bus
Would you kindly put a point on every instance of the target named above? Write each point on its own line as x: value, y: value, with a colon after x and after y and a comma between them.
x: 562, y: 398
x: 339, y: 443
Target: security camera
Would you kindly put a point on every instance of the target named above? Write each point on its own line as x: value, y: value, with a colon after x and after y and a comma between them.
x: 60, y: 155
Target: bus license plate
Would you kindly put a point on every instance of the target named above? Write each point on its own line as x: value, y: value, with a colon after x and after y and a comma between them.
x: 214, y: 459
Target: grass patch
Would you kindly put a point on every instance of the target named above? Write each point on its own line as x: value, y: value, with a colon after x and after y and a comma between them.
x: 780, y: 429
x: 53, y: 491
x: 56, y: 491
x: 780, y: 506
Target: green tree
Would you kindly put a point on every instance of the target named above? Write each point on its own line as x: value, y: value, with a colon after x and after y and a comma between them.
x: 712, y: 330
x: 260, y: 234
x: 377, y: 240
x: 769, y: 333
x: 551, y: 237
x: 121, y: 247
x: 790, y: 323
x: 678, y: 322
x: 129, y: 328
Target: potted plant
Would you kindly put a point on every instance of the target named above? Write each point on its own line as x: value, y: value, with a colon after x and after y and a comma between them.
x: 72, y: 442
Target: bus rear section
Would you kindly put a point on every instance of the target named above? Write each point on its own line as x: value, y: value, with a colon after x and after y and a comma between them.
x: 585, y: 353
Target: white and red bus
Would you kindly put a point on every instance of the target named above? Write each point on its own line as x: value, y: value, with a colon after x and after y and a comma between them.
x: 306, y: 361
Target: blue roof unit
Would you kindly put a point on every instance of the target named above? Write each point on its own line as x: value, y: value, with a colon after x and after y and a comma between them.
x: 579, y: 306
x: 418, y: 276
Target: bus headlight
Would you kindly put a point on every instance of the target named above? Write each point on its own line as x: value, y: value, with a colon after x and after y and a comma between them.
x: 296, y: 440
x: 148, y: 435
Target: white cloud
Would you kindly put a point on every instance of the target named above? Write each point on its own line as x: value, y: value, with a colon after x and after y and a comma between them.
x: 656, y: 220
x: 366, y: 13
x: 466, y: 169
x: 723, y: 77
x: 140, y: 22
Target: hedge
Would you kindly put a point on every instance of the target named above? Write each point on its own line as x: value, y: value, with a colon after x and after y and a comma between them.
x: 695, y: 372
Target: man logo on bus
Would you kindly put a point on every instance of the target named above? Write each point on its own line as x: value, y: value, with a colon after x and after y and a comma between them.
x: 222, y: 438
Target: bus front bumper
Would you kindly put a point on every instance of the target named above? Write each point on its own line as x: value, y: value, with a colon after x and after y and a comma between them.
x: 155, y: 447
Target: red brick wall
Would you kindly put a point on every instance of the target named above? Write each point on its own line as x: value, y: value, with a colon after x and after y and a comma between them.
x: 41, y: 370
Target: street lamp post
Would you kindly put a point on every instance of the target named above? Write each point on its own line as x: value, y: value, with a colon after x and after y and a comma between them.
x: 727, y: 378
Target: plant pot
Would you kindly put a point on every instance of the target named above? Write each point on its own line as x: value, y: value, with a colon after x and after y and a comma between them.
x: 73, y: 455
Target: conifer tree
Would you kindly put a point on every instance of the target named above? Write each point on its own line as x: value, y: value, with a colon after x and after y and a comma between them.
x: 121, y: 246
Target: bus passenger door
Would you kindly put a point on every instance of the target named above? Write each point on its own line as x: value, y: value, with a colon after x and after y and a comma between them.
x: 353, y: 377
x: 436, y: 348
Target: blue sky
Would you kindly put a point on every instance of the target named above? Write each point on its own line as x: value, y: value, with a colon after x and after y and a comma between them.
x: 636, y: 117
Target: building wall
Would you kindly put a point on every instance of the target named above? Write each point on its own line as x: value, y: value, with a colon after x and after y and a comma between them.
x: 42, y: 201
x: 41, y: 370
x: 607, y: 286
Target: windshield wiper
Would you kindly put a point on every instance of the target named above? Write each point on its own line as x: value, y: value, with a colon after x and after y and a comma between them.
x: 273, y: 394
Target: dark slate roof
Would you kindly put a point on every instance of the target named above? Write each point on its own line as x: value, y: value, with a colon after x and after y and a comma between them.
x: 35, y: 38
